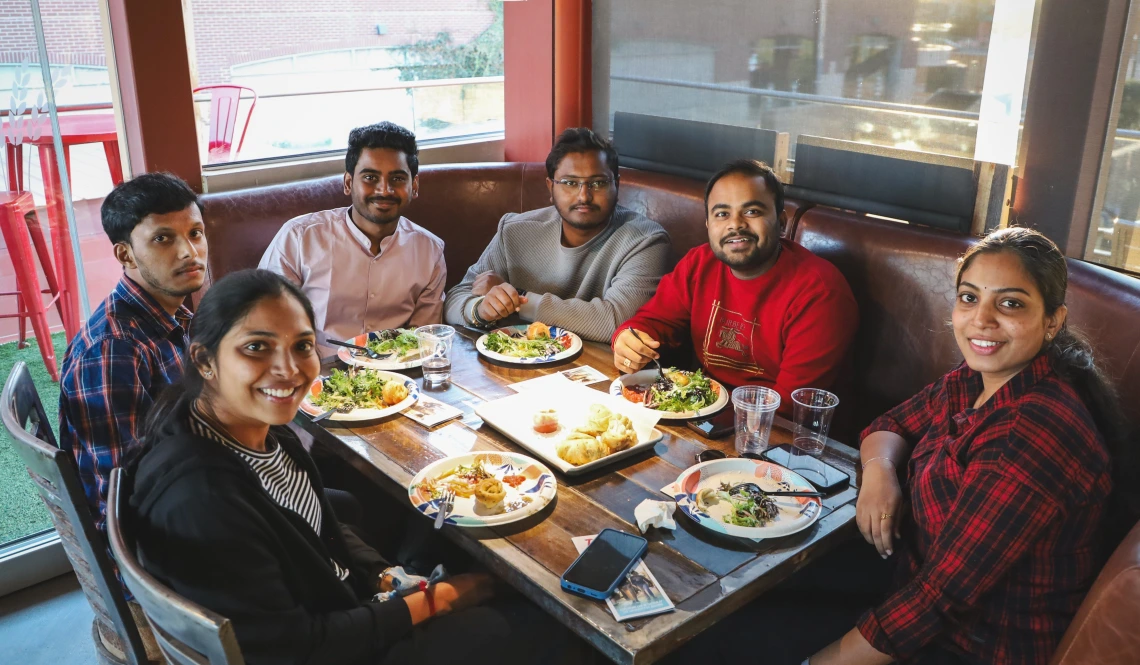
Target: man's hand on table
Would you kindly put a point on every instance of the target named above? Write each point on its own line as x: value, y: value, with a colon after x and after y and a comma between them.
x: 631, y: 354
x: 500, y: 299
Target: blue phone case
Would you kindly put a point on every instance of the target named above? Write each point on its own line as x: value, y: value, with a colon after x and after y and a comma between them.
x: 603, y: 594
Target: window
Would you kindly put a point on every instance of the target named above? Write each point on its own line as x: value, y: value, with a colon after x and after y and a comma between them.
x: 907, y: 74
x: 1114, y: 239
x: 78, y: 79
x: 319, y: 69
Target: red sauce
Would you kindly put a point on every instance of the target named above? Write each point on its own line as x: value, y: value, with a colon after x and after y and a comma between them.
x: 548, y: 427
x: 514, y: 481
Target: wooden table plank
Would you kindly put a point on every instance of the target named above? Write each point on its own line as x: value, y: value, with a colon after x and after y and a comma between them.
x: 706, y: 575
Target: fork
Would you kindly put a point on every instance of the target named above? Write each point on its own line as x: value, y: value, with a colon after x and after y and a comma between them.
x: 368, y: 352
x: 755, y: 489
x: 446, y: 505
x: 660, y: 372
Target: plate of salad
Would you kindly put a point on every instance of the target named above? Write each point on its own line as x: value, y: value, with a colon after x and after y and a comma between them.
x: 360, y: 394
x: 710, y: 494
x: 677, y: 394
x: 532, y: 344
x: 401, y: 343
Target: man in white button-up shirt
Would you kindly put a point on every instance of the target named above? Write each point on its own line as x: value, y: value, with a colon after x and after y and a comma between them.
x: 366, y: 267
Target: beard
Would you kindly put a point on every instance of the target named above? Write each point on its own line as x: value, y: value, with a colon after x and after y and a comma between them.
x: 153, y: 281
x: 361, y: 208
x: 569, y: 216
x: 759, y: 255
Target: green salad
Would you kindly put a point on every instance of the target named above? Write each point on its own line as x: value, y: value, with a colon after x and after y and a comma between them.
x: 402, y: 342
x: 749, y: 509
x: 352, y: 389
x: 679, y: 391
x: 521, y: 347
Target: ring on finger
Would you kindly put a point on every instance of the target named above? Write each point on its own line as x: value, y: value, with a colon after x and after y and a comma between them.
x: 627, y: 362
x: 886, y: 516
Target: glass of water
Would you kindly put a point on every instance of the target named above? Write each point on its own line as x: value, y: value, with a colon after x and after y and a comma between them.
x: 813, y: 410
x: 435, y: 349
x: 755, y: 408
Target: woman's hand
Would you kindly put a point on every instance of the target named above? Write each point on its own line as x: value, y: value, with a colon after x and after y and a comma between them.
x: 462, y: 591
x: 451, y: 595
x: 878, y: 506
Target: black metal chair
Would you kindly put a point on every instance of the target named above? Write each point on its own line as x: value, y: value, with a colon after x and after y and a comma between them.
x: 187, y: 633
x: 54, y: 473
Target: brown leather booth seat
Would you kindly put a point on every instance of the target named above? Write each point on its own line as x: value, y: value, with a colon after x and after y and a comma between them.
x: 1106, y: 630
x: 461, y: 203
x: 902, y: 277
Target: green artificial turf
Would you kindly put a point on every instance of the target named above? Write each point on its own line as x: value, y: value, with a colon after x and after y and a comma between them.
x: 22, y: 512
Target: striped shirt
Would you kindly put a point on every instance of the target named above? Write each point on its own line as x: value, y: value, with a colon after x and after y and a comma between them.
x: 588, y: 289
x: 287, y: 484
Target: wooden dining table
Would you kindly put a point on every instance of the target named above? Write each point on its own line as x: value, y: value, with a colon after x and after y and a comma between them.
x: 706, y: 575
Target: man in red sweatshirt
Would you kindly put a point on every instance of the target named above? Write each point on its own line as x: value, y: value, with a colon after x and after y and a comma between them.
x: 760, y: 309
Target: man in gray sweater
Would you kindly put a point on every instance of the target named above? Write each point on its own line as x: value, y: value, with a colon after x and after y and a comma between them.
x: 584, y: 264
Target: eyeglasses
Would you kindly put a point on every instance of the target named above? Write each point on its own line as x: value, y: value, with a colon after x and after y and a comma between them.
x: 575, y: 185
x: 711, y: 454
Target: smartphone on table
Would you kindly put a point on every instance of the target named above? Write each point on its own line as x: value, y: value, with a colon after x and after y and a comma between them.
x: 604, y: 564
x: 720, y: 424
x: 822, y: 475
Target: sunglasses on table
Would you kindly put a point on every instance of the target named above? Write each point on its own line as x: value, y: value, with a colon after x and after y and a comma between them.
x: 710, y: 454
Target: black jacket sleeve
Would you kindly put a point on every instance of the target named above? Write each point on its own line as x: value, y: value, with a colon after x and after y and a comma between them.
x: 363, y: 556
x: 211, y: 543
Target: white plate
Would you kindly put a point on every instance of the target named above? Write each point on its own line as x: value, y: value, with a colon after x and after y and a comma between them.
x: 358, y: 415
x: 555, y: 332
x: 349, y: 357
x: 796, y: 513
x: 513, y: 416
x: 647, y: 376
x: 540, y: 486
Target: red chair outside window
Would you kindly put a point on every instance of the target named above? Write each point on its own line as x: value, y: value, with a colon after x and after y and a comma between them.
x: 224, y: 103
x: 21, y: 231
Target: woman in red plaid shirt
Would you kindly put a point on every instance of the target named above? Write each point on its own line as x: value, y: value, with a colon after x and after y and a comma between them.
x: 1006, y: 466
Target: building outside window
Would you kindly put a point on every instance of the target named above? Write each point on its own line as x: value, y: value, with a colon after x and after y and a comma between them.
x: 321, y: 68
x: 901, y: 73
x: 1114, y: 234
x: 80, y: 84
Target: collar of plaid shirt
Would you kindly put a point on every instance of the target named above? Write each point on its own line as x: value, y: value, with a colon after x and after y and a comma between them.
x: 127, y: 290
x: 963, y: 391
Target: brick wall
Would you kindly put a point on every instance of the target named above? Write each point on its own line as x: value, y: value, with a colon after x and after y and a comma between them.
x: 71, y: 27
x: 227, y: 33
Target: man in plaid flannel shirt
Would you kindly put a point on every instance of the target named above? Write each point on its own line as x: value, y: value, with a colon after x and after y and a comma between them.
x: 135, y: 342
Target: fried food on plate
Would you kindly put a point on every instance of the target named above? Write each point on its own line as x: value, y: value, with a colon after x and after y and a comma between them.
x: 604, y: 433
x: 394, y: 393
x: 538, y: 330
x: 490, y: 492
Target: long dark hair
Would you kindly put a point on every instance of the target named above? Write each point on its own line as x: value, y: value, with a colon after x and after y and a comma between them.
x: 1070, y: 352
x: 224, y: 305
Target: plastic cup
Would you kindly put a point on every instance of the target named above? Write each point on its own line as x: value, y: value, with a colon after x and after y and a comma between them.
x: 435, y: 349
x: 811, y: 420
x: 755, y: 410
